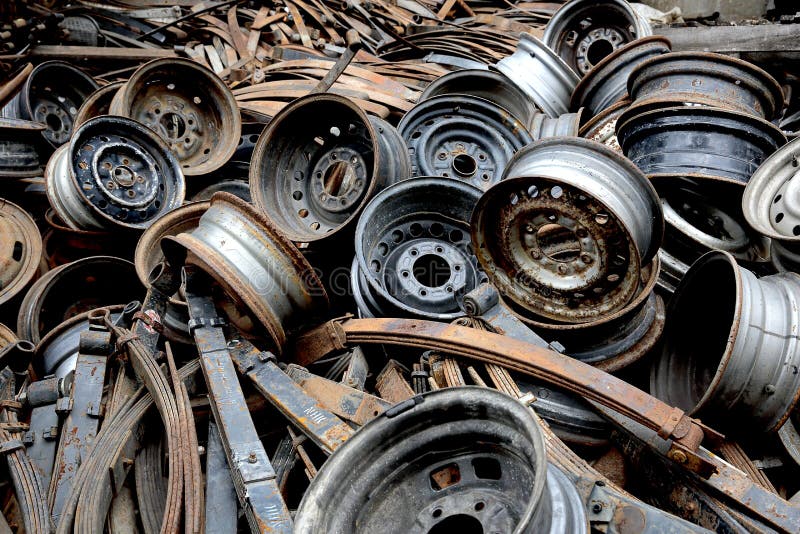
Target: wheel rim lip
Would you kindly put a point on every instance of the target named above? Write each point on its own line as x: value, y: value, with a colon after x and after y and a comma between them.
x: 260, y: 186
x: 454, y: 187
x: 88, y: 108
x: 150, y: 143
x: 222, y: 97
x: 33, y: 246
x: 764, y: 184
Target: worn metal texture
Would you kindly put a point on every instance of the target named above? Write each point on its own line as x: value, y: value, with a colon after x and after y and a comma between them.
x: 564, y: 236
x: 19, y: 152
x: 583, y: 32
x: 20, y: 250
x: 602, y: 127
x: 243, y: 251
x: 697, y: 141
x: 607, y: 82
x: 462, y: 137
x: 566, y: 125
x: 96, y: 104
x: 315, y: 176
x: 471, y: 474
x: 412, y: 250
x: 736, y: 366
x: 486, y: 84
x: 188, y: 106
x: 51, y: 95
x: 41, y: 440
x: 541, y: 74
x: 221, y: 512
x: 709, y: 79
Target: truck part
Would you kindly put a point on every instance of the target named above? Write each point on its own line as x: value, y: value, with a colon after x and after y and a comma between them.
x: 708, y: 79
x: 607, y: 82
x: 583, y: 32
x: 20, y: 250
x: 602, y: 127
x: 541, y: 74
x: 318, y: 163
x: 412, y: 250
x: 188, y: 106
x: 271, y: 285
x: 44, y: 397
x: 461, y: 137
x: 564, y: 236
x: 19, y: 154
x: 446, y: 460
x: 739, y: 372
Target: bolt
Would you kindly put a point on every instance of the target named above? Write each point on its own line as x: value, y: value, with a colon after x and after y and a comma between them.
x: 252, y: 458
x: 586, y: 258
x: 562, y: 269
x: 535, y: 254
x: 442, y: 155
x: 679, y: 456
x: 769, y: 389
x: 597, y: 508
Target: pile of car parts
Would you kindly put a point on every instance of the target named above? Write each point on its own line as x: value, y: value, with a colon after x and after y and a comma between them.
x: 406, y: 267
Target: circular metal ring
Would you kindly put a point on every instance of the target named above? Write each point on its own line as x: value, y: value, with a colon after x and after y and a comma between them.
x: 731, y: 349
x: 461, y: 137
x: 583, y: 32
x: 319, y: 162
x: 486, y: 84
x: 51, y: 96
x: 114, y: 171
x: 98, y: 103
x: 413, y: 256
x: 607, y: 82
x: 707, y: 78
x: 566, y: 125
x: 785, y: 256
x: 696, y: 141
x: 20, y: 250
x: 188, y: 106
x: 269, y: 283
x: 541, y: 74
x: 19, y: 154
x: 603, y: 126
x: 770, y: 200
x: 71, y: 289
x: 464, y: 457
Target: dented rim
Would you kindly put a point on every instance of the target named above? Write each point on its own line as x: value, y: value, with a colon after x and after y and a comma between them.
x: 771, y: 201
x: 413, y: 256
x: 541, y: 74
x: 583, y: 32
x: 188, y: 106
x: 607, y: 82
x: 461, y: 137
x: 565, y: 234
x: 51, y: 96
x: 271, y: 285
x: 566, y: 125
x: 731, y: 347
x: 20, y: 250
x: 468, y: 456
x: 707, y: 78
x: 319, y: 162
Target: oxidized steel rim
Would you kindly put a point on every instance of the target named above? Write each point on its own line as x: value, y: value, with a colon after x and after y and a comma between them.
x: 583, y: 32
x: 52, y: 95
x: 541, y: 74
x: 461, y: 137
x: 698, y: 141
x: 731, y: 348
x: 770, y: 201
x: 256, y: 265
x: 318, y: 163
x: 73, y: 288
x: 20, y: 250
x: 456, y: 429
x: 188, y: 106
x: 707, y: 78
x: 19, y: 157
x: 98, y: 103
x: 602, y: 127
x: 607, y: 82
x: 485, y: 84
x: 413, y: 256
x: 120, y: 172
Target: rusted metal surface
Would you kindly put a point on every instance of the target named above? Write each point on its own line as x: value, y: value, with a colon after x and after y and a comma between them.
x: 391, y: 385
x: 20, y: 250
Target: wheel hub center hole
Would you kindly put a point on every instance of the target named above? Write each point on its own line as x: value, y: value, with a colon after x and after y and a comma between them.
x: 339, y: 179
x: 173, y: 124
x: 54, y: 122
x: 558, y: 243
x: 431, y: 270
x: 465, y: 165
x: 598, y: 50
x: 461, y: 523
x: 124, y: 176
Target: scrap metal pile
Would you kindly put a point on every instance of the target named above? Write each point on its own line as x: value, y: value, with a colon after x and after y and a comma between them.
x: 408, y: 266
